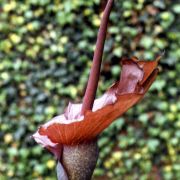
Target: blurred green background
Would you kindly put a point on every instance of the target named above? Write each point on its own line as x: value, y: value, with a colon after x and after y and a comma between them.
x: 46, y: 50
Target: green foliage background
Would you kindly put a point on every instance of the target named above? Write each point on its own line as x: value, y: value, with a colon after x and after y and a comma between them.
x: 46, y: 50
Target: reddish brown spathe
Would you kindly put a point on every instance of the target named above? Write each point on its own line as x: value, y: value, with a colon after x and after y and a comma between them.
x: 72, y: 128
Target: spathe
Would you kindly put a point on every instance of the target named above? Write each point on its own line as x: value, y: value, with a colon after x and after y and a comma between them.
x: 72, y: 128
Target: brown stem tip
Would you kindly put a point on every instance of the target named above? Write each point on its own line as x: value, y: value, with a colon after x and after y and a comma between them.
x: 97, y: 60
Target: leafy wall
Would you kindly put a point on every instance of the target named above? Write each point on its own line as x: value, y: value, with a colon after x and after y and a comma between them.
x: 46, y: 48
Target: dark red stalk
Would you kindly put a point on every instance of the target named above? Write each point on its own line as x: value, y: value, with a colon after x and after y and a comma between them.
x: 90, y: 93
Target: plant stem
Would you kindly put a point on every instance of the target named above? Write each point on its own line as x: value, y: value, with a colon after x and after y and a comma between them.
x: 90, y: 93
x: 79, y: 161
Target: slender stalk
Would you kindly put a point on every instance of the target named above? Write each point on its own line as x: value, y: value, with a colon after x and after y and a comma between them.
x: 90, y: 93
